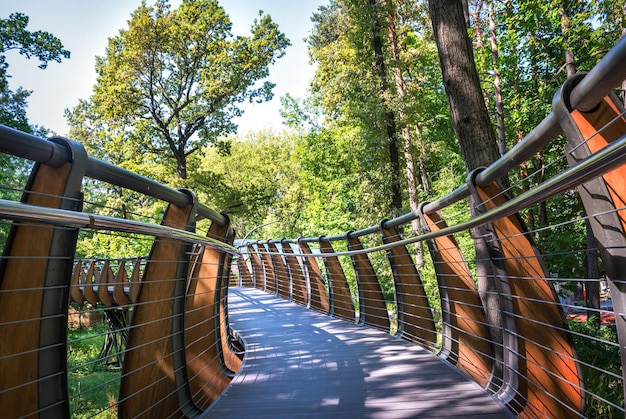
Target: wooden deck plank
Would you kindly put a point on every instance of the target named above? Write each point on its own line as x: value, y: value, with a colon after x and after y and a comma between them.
x: 300, y: 363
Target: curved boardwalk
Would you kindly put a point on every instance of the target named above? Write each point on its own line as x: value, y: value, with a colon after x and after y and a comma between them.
x: 300, y: 363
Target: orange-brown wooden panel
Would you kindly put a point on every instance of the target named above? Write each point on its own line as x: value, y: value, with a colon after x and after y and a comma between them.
x: 466, y: 336
x: 299, y: 292
x: 257, y: 268
x: 549, y: 379
x: 283, y: 282
x: 245, y: 277
x: 319, y: 297
x: 135, y: 282
x: 104, y: 282
x: 232, y: 357
x: 78, y: 278
x: 268, y: 269
x: 608, y: 117
x: 23, y: 279
x: 341, y: 302
x: 148, y: 386
x: 373, y: 308
x: 122, y: 285
x: 91, y: 279
x: 415, y: 318
x: 205, y: 369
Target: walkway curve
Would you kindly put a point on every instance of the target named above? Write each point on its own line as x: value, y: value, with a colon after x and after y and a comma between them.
x: 300, y: 363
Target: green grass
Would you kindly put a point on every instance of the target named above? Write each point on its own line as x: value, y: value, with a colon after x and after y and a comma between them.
x: 93, y: 386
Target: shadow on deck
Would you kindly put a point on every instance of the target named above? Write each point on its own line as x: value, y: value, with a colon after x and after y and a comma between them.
x: 300, y: 363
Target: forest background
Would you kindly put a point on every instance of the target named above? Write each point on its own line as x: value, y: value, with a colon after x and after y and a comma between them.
x: 373, y: 138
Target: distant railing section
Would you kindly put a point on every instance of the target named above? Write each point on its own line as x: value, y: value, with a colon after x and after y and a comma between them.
x: 494, y: 299
x: 102, y: 336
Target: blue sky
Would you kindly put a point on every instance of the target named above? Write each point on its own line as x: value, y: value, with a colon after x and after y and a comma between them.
x: 85, y: 25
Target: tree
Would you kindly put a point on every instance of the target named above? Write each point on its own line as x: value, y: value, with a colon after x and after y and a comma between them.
x: 470, y: 118
x: 42, y: 45
x: 174, y: 78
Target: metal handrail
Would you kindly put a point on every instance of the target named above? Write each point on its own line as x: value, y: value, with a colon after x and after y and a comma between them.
x: 31, y: 147
x: 17, y: 211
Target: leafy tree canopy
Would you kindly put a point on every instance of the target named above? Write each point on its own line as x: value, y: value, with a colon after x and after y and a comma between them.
x: 175, y: 78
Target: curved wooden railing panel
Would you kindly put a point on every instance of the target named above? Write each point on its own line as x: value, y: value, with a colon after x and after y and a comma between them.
x: 546, y: 359
x: 203, y: 350
x: 154, y: 335
x: 341, y: 304
x: 372, y: 305
x: 271, y: 280
x: 257, y: 268
x: 299, y: 293
x: 466, y: 338
x: 318, y: 296
x: 415, y: 317
x: 245, y: 276
x: 34, y: 295
x: 283, y: 282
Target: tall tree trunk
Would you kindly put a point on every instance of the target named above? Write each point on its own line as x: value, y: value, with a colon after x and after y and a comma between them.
x: 467, y: 105
x: 472, y: 127
x: 496, y: 80
x: 390, y: 120
x: 405, y: 132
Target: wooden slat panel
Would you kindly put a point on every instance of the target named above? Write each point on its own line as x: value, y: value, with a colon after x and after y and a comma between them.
x: 148, y: 385
x: 89, y: 284
x: 280, y: 268
x: 466, y: 336
x: 244, y: 272
x: 549, y: 380
x: 257, y: 268
x: 319, y: 297
x: 299, y: 292
x: 341, y: 302
x: 415, y: 318
x: 135, y: 282
x: 205, y: 368
x: 77, y: 279
x: 268, y: 269
x: 122, y: 285
x: 606, y: 117
x: 22, y: 281
x: 232, y: 356
x: 373, y: 308
x: 105, y: 280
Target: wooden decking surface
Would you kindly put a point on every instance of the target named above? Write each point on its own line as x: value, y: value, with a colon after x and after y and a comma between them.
x: 300, y: 363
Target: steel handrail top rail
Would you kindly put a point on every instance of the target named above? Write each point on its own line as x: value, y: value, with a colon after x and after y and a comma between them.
x: 601, y: 162
x: 28, y: 146
x: 24, y: 212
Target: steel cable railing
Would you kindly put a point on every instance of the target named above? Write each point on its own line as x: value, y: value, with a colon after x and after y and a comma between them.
x: 92, y: 333
x: 519, y: 311
x: 87, y: 332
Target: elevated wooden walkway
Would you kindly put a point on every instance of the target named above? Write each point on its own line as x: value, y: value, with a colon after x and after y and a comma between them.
x: 300, y: 363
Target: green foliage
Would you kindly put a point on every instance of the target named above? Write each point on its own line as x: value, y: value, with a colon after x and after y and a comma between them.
x: 597, y: 347
x: 171, y: 83
x: 92, y: 386
x: 39, y: 44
